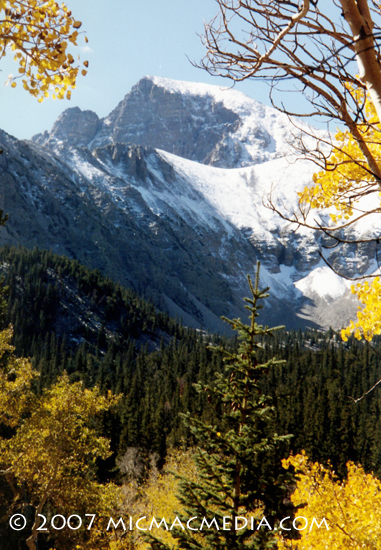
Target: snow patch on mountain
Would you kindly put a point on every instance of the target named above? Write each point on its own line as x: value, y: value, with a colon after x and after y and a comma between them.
x: 238, y: 195
x: 226, y: 199
x: 323, y: 282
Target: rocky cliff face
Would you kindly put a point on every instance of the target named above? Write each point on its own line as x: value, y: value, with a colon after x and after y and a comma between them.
x: 166, y: 195
x: 153, y: 116
x: 213, y: 126
x: 74, y: 127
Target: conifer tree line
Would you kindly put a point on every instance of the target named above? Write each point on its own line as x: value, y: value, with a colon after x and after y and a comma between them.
x: 258, y: 397
x: 152, y: 362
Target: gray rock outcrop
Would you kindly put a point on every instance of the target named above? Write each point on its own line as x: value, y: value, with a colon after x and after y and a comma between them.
x: 73, y: 126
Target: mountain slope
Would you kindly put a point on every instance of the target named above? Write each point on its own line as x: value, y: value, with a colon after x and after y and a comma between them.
x: 50, y: 294
x: 183, y: 231
x: 110, y: 227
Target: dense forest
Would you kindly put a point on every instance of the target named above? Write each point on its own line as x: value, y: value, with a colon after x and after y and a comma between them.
x: 115, y: 388
x: 68, y: 318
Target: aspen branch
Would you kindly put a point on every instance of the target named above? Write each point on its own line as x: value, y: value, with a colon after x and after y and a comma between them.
x: 294, y: 20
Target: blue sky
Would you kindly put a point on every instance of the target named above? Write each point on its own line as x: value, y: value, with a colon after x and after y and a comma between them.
x: 128, y: 39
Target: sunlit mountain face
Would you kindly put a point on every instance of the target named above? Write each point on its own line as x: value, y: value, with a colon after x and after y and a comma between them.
x: 166, y: 194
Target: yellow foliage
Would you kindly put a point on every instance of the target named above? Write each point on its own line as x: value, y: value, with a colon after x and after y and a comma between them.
x: 49, y: 461
x: 16, y: 375
x: 341, y: 185
x: 347, y: 176
x: 369, y: 318
x: 158, y: 497
x: 40, y: 31
x: 352, y: 508
x: 57, y: 442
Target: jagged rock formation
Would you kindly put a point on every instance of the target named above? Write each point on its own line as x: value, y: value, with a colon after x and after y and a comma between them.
x: 199, y: 122
x: 165, y: 195
x: 73, y: 126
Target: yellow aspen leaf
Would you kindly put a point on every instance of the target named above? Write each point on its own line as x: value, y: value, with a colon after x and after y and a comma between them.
x: 41, y: 453
x: 347, y: 174
x: 40, y: 32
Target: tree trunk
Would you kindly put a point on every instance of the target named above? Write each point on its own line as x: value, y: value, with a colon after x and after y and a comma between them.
x: 357, y: 15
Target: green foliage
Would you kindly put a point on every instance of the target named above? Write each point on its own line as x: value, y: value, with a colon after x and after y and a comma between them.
x: 314, y: 394
x: 67, y: 317
x: 154, y: 368
x: 237, y: 457
x: 50, y: 293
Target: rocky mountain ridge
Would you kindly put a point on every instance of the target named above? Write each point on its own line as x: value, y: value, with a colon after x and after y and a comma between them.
x: 200, y: 122
x: 166, y: 195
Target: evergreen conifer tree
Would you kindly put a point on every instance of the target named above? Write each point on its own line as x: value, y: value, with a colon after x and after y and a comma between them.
x: 236, y: 459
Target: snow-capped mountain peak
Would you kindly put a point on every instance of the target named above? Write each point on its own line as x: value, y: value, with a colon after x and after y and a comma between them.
x: 179, y: 172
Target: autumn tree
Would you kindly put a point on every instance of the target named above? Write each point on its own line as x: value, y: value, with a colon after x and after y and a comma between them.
x: 48, y: 452
x: 155, y: 497
x: 327, y: 53
x: 39, y: 33
x: 350, y: 507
